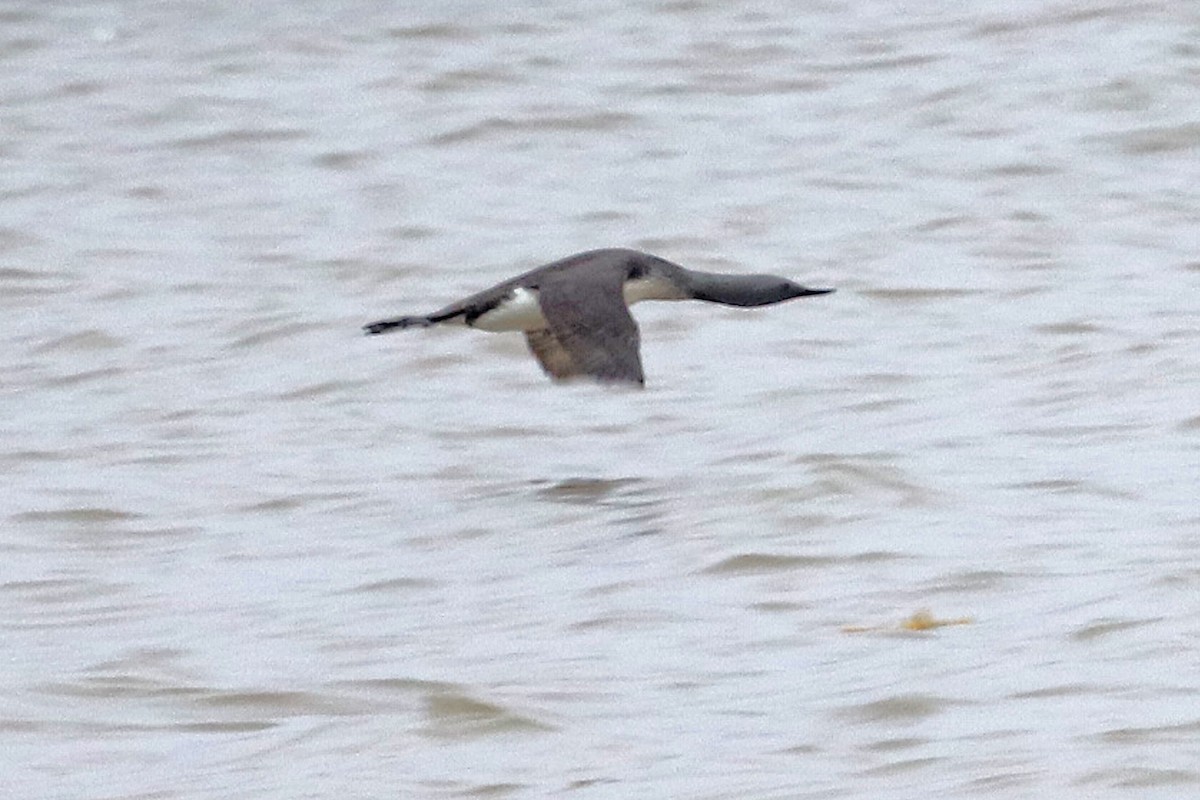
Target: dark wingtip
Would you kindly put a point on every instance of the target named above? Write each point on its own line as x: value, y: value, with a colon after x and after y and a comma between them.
x: 810, y: 292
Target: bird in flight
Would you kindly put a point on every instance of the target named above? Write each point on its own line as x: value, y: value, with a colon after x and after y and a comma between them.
x: 575, y: 312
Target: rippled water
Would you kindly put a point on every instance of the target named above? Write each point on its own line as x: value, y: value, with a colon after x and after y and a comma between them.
x: 248, y: 553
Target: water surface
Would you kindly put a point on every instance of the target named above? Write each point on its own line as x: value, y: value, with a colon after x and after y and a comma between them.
x: 249, y: 553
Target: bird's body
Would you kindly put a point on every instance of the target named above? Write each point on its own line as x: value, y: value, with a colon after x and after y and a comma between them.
x: 575, y: 312
x: 519, y: 311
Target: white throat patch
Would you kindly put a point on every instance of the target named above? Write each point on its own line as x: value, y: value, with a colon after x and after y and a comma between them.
x: 650, y: 289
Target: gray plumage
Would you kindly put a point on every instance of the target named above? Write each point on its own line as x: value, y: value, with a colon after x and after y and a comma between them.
x: 575, y: 312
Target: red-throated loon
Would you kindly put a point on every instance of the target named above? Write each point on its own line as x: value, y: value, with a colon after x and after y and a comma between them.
x: 575, y: 312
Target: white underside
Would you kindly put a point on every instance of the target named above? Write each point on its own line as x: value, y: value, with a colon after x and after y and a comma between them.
x: 521, y: 312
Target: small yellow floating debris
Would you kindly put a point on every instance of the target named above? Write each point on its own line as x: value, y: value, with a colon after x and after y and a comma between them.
x: 922, y: 620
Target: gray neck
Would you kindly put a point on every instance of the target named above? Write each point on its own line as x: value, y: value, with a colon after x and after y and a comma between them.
x: 739, y: 290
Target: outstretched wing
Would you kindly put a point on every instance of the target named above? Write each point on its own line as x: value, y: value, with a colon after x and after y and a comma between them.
x: 555, y: 361
x: 589, y: 329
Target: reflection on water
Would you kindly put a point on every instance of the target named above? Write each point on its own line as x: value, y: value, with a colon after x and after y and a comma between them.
x: 250, y: 553
x: 622, y: 492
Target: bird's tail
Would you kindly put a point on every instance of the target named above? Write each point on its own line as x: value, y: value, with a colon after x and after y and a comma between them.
x: 385, y: 325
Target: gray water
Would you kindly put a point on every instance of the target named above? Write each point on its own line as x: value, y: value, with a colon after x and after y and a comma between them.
x: 249, y: 553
